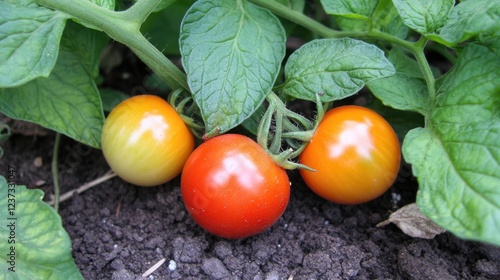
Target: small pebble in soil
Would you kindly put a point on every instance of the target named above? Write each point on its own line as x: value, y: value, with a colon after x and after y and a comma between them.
x: 172, y: 265
x: 38, y: 162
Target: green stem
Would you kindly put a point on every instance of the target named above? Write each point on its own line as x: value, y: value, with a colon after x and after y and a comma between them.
x: 444, y: 51
x: 299, y: 18
x: 140, y: 11
x: 324, y: 31
x: 425, y: 67
x: 124, y: 27
x: 285, y: 130
x: 55, y: 171
x: 417, y: 48
x: 276, y: 143
x: 265, y: 126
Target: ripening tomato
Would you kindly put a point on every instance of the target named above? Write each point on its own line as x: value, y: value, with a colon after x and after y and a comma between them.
x: 145, y: 141
x: 232, y: 188
x: 355, y: 153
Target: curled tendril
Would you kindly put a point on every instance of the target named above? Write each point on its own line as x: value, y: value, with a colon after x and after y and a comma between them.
x: 284, y: 134
x: 185, y: 106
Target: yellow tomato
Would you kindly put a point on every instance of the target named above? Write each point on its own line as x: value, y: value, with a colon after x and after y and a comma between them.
x: 145, y: 141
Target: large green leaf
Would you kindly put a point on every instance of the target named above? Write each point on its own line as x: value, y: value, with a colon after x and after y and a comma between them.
x: 337, y: 68
x: 34, y: 243
x: 232, y: 52
x: 424, y: 16
x: 29, y: 40
x: 468, y: 19
x: 68, y: 100
x: 457, y: 156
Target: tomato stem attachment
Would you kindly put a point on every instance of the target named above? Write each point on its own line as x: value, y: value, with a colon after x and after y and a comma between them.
x: 211, y: 134
x: 284, y: 134
x: 187, y: 110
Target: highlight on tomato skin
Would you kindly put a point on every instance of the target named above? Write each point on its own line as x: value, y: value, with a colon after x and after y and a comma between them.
x: 145, y: 141
x: 232, y: 188
x: 356, y: 155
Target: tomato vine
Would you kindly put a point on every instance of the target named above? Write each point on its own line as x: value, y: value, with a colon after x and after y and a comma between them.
x: 415, y: 48
x: 124, y: 27
x: 229, y: 73
x: 290, y: 128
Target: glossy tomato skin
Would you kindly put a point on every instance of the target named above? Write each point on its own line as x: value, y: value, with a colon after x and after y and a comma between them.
x: 232, y: 188
x: 145, y: 141
x: 356, y: 155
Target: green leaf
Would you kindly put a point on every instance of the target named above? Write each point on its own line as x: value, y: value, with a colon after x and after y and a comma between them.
x: 107, y: 4
x: 351, y: 15
x: 350, y: 8
x: 368, y: 15
x: 110, y: 98
x: 162, y: 28
x: 337, y: 68
x: 406, y: 90
x: 34, y: 243
x: 401, y: 92
x: 407, y: 65
x: 468, y: 19
x: 386, y: 19
x: 424, y: 16
x: 29, y: 40
x: 470, y: 92
x: 252, y: 123
x: 232, y: 52
x: 68, y: 100
x: 457, y: 156
x: 21, y: 2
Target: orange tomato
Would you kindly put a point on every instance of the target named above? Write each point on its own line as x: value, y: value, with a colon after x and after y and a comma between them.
x: 356, y: 155
x: 145, y: 141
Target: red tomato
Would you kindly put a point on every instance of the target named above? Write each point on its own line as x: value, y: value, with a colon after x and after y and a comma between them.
x: 145, y: 141
x: 355, y: 153
x: 232, y: 188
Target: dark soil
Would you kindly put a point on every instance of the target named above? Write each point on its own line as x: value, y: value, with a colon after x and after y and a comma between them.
x: 119, y: 231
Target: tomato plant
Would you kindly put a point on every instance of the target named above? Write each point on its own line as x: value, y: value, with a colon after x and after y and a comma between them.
x: 145, y: 141
x: 231, y: 68
x: 232, y: 188
x: 355, y: 153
